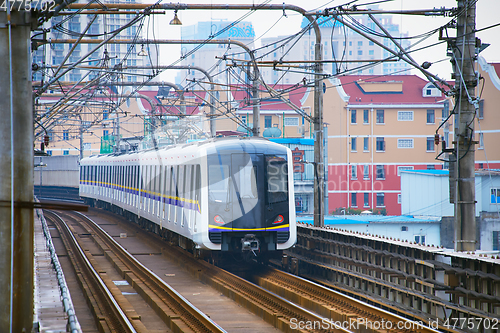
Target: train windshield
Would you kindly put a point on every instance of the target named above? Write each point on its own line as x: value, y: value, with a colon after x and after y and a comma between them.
x: 277, y: 178
x: 247, y: 181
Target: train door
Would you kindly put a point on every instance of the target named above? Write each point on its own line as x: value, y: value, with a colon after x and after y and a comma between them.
x: 128, y: 177
x: 153, y: 189
x: 141, y: 187
x: 148, y: 188
x: 172, y: 192
x: 135, y: 200
x: 197, y: 196
x: 158, y: 190
x: 180, y: 194
x: 246, y: 175
x: 188, y: 194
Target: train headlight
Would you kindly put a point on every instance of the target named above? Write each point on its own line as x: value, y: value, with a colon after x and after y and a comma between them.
x: 218, y: 219
x: 278, y: 219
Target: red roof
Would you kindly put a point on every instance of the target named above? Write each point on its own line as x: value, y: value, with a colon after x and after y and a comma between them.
x: 497, y: 68
x: 411, y: 92
x: 293, y: 93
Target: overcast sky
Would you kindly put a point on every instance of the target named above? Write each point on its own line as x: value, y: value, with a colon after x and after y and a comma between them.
x: 263, y: 21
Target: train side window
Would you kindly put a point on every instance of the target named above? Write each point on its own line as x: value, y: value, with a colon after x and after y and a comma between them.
x: 182, y: 181
x: 166, y: 187
x: 158, y: 179
x: 198, y: 188
x: 277, y: 179
x: 141, y: 182
x: 218, y: 188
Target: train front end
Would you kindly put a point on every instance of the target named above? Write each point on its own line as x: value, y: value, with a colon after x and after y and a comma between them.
x: 250, y: 197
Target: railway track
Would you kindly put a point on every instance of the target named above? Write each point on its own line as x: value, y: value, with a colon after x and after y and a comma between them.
x: 290, y: 302
x: 337, y: 306
x: 109, y: 316
x: 116, y: 313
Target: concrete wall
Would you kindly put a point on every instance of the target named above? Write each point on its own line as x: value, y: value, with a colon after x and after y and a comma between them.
x: 424, y: 193
x: 60, y: 171
x: 429, y: 230
x: 488, y: 223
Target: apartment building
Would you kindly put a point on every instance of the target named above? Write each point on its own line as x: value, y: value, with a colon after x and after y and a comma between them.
x: 343, y: 47
x: 51, y: 55
x: 205, y: 55
x: 379, y: 126
x: 487, y: 125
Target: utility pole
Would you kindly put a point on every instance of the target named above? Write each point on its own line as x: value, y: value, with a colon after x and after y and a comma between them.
x: 464, y: 58
x: 16, y: 172
x: 319, y: 168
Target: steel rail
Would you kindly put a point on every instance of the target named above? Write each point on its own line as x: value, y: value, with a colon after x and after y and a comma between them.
x: 323, y: 299
x: 273, y: 308
x: 110, y: 303
x: 183, y: 306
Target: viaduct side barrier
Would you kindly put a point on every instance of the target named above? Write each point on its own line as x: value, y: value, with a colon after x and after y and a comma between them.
x: 434, y: 282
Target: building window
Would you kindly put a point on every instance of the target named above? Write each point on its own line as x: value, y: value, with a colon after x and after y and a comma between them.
x: 366, y: 171
x: 403, y: 168
x: 105, y: 133
x: 292, y: 121
x: 353, y: 144
x: 380, y: 144
x: 405, y: 143
x: 380, y: 200
x: 65, y: 135
x: 65, y: 152
x: 244, y: 119
x: 495, y: 195
x: 365, y: 144
x: 49, y: 152
x: 354, y: 201
x: 405, y: 115
x: 481, y: 140
x: 496, y: 240
x: 404, y: 228
x: 105, y: 114
x: 371, y: 52
x: 366, y: 116
x: 380, y: 117
x: 431, y: 167
x: 301, y: 204
x: 419, y: 239
x: 268, y: 121
x: 371, y: 43
x: 380, y: 172
x: 430, y: 116
x: 360, y: 43
x: 366, y: 200
x: 399, y: 198
x: 353, y: 116
x: 354, y: 172
x: 430, y: 143
x: 360, y: 52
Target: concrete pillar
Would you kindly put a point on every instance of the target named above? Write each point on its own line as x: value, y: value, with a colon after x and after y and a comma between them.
x: 16, y: 174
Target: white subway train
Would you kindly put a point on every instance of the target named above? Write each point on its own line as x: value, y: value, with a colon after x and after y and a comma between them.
x: 224, y: 195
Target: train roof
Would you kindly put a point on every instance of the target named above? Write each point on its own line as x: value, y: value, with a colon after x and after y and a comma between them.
x: 216, y: 144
